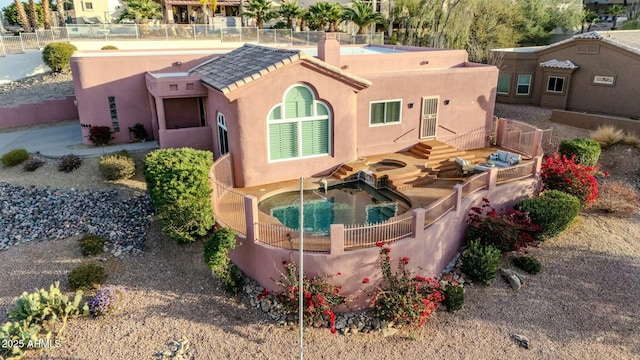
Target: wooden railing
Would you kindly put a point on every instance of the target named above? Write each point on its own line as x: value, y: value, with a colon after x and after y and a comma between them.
x: 361, y: 236
x: 516, y: 172
x: 440, y: 208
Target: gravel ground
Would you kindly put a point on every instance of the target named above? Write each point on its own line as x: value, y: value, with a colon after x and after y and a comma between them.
x: 585, y: 304
x: 36, y: 89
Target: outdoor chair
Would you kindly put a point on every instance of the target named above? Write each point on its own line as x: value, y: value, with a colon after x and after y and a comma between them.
x: 463, y: 167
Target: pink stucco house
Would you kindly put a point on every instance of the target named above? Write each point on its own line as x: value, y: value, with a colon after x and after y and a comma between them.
x: 289, y: 111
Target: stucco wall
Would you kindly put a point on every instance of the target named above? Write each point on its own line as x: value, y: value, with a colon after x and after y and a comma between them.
x: 514, y: 64
x: 394, y: 62
x: 593, y: 121
x: 429, y: 253
x: 45, y: 112
x: 98, y: 75
x: 610, y: 61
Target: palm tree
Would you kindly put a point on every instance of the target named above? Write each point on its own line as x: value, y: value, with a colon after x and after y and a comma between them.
x: 589, y: 17
x: 22, y: 15
x: 33, y: 16
x: 46, y: 14
x: 361, y: 14
x: 141, y: 10
x: 323, y: 13
x: 335, y: 16
x: 213, y: 4
x: 615, y: 11
x: 259, y: 10
x: 60, y: 8
x: 290, y: 10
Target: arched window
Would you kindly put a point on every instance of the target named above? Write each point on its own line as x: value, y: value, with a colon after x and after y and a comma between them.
x: 298, y: 127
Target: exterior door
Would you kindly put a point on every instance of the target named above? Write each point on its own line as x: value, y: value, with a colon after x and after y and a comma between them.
x: 429, y: 121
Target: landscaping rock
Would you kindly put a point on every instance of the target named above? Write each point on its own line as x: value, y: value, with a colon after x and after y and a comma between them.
x: 514, y: 282
x: 515, y: 279
x: 389, y: 331
x: 521, y: 340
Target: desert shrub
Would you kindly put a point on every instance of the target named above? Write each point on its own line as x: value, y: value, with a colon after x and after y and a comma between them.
x: 14, y: 157
x: 100, y: 135
x: 139, y: 132
x: 509, y: 230
x: 117, y: 166
x: 617, y: 198
x: 553, y: 212
x: 177, y: 180
x: 480, y: 262
x: 35, y: 318
x: 630, y: 138
x: 107, y: 300
x: 87, y: 276
x: 32, y: 164
x: 587, y: 151
x: 109, y: 47
x: 91, y: 245
x: 320, y: 297
x: 607, y: 135
x: 563, y: 174
x: 216, y: 255
x: 69, y: 162
x: 57, y: 56
x: 402, y: 298
x: 527, y: 263
x: 453, y: 296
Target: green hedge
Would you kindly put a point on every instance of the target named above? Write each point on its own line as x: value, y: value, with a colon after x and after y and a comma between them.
x: 57, y: 56
x: 14, y: 157
x: 480, y: 262
x: 553, y: 211
x: 587, y: 151
x: 177, y: 180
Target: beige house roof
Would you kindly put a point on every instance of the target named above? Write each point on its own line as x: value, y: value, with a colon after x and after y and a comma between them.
x: 626, y: 39
x: 251, y: 62
x: 557, y: 64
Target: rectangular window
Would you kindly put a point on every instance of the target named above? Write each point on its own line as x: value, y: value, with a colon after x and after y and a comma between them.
x: 555, y: 84
x: 504, y: 81
x: 113, y: 111
x: 524, y: 85
x: 385, y: 112
x: 283, y: 140
x: 88, y: 6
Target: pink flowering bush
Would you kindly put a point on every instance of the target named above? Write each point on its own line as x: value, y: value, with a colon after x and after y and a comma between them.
x: 509, y: 230
x: 402, y: 298
x: 564, y: 174
x: 320, y: 297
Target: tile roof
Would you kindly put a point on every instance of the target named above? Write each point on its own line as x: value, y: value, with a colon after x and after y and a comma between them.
x: 626, y: 39
x: 557, y: 64
x: 251, y: 62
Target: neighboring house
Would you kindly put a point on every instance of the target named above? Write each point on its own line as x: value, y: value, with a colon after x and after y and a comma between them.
x: 91, y: 11
x: 594, y: 72
x: 195, y: 12
x: 285, y: 113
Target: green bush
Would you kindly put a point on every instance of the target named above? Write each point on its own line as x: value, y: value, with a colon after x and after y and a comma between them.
x: 14, y: 157
x: 91, y: 245
x: 69, y: 162
x: 480, y: 262
x: 109, y: 47
x: 117, y: 166
x: 57, y: 56
x: 100, y: 135
x: 88, y: 276
x: 216, y: 255
x: 527, y: 263
x: 453, y: 297
x: 32, y: 164
x: 177, y: 180
x: 553, y: 212
x: 587, y: 151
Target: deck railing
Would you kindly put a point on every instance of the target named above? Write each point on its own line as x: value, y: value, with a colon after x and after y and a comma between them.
x: 228, y: 204
x: 440, y: 208
x: 476, y: 183
x: 393, y: 229
x: 474, y: 139
x: 516, y: 172
x: 282, y: 237
x: 518, y: 136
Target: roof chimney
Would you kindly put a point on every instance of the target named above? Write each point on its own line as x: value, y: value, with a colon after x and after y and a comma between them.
x: 329, y: 49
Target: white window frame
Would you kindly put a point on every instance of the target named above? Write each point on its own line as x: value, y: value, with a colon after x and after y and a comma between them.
x: 508, y: 84
x: 564, y: 79
x: 385, y: 113
x: 299, y: 122
x: 518, y: 84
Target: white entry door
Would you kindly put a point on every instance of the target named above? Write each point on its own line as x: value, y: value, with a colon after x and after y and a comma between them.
x: 429, y: 121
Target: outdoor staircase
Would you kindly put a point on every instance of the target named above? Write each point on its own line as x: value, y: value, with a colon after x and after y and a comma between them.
x: 440, y: 156
x: 349, y: 169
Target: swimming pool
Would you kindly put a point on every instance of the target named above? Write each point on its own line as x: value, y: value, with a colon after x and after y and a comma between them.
x: 348, y: 203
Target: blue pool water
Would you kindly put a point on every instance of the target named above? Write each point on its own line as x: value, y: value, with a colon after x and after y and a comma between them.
x: 350, y: 203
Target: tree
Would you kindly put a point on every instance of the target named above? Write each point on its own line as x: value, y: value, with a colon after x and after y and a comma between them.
x: 261, y: 11
x: 46, y: 14
x: 588, y: 17
x: 213, y: 4
x: 615, y: 11
x: 289, y: 10
x: 33, y: 17
x: 324, y: 13
x: 141, y: 10
x: 361, y: 14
